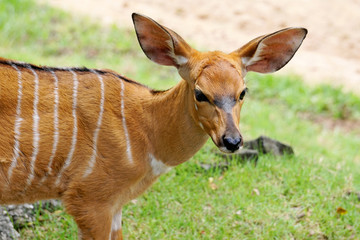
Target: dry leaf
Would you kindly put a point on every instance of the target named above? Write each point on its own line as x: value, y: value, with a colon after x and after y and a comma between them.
x: 213, y: 186
x: 256, y: 191
x: 341, y: 211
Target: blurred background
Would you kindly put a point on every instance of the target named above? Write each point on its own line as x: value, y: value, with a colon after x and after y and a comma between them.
x: 330, y: 53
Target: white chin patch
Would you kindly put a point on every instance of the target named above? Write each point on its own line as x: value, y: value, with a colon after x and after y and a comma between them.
x: 225, y: 150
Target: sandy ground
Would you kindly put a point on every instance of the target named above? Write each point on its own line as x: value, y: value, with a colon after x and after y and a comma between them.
x: 330, y: 53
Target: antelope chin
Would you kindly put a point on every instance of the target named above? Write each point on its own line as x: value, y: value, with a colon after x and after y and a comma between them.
x: 227, y: 151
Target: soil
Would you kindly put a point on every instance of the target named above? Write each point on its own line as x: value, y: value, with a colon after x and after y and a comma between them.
x: 330, y: 53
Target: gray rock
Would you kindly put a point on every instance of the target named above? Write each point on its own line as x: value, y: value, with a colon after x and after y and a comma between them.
x: 15, y: 217
x: 266, y: 145
x: 223, y: 166
x: 242, y: 156
x: 7, y: 230
x: 21, y: 215
x: 250, y: 152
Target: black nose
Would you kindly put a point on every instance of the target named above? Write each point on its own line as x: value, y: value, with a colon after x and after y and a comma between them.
x: 231, y: 143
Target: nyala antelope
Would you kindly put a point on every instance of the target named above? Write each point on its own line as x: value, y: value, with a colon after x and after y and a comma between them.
x: 96, y: 140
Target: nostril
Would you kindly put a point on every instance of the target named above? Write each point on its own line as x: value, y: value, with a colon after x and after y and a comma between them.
x: 232, y: 144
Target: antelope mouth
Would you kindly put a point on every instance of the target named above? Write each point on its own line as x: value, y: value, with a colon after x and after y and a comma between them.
x: 223, y: 149
x: 226, y: 148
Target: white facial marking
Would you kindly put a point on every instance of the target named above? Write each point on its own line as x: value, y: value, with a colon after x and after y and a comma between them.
x: 36, y: 134
x: 98, y: 125
x: 158, y: 167
x: 128, y: 146
x: 200, y: 124
x: 18, y: 121
x: 56, y: 123
x: 75, y: 128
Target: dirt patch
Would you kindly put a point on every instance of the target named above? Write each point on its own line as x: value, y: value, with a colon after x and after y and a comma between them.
x: 331, y: 52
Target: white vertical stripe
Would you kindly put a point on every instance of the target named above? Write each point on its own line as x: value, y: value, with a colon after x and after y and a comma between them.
x: 36, y: 134
x: 56, y: 123
x: 128, y: 145
x: 18, y: 121
x: 75, y: 128
x: 98, y: 125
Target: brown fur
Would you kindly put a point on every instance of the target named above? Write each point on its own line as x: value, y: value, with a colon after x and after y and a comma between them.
x: 171, y: 125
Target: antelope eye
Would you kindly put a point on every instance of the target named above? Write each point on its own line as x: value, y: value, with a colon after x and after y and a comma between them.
x: 200, y: 96
x: 242, y: 94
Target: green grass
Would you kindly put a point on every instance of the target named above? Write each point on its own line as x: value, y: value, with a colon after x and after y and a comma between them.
x: 279, y: 198
x: 290, y: 90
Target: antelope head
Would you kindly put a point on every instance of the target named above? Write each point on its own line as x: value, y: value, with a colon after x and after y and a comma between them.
x: 215, y: 80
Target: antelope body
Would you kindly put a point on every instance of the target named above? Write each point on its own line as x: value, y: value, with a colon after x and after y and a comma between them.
x: 96, y: 139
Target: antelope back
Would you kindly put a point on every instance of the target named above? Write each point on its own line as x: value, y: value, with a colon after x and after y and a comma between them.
x: 50, y: 120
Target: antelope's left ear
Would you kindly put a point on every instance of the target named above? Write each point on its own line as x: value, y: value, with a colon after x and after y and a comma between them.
x: 271, y: 52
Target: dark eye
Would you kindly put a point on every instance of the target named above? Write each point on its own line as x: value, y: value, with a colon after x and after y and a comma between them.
x: 200, y: 96
x: 242, y: 94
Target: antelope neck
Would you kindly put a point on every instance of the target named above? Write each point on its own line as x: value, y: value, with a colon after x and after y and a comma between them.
x: 174, y: 134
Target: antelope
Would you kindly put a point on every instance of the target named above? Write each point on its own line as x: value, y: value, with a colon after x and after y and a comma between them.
x: 96, y: 139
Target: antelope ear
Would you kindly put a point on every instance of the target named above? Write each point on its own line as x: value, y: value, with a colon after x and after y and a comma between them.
x: 271, y: 52
x: 160, y: 44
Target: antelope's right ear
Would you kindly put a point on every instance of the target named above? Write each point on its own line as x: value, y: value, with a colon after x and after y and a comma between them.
x: 159, y: 43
